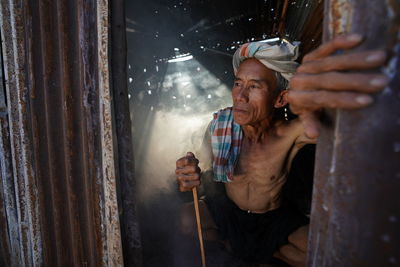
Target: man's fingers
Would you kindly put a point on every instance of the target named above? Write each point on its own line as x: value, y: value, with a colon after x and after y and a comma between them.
x: 314, y: 100
x: 322, y: 80
x: 337, y: 81
x: 191, y: 158
x: 182, y: 162
x: 188, y: 177
x: 340, y: 42
x: 359, y: 61
x: 187, y: 182
x: 188, y: 169
x: 188, y: 185
x: 183, y: 188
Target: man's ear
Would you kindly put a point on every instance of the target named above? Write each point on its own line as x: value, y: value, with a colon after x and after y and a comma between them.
x: 281, y: 100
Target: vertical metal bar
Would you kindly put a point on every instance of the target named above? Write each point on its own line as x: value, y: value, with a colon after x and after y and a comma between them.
x: 7, y: 203
x: 111, y: 214
x: 355, y: 217
x: 131, y: 241
x: 27, y: 214
x: 282, y: 20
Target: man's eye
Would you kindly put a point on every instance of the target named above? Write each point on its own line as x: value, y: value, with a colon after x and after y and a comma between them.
x: 236, y: 84
x: 253, y: 86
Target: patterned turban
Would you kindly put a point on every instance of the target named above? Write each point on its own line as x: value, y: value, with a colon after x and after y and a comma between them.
x: 279, y: 57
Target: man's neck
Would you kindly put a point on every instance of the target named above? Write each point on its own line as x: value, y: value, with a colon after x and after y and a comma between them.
x: 255, y: 133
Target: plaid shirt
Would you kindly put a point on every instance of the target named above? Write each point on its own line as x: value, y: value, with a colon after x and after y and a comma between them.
x: 226, y: 139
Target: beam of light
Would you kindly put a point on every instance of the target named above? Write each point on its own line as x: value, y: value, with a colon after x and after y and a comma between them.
x: 217, y: 51
x: 270, y: 40
x: 293, y: 43
x: 130, y: 30
x: 170, y: 137
x: 180, y: 59
x: 178, y: 124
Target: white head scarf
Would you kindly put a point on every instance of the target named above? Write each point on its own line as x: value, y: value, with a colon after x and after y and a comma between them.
x: 278, y: 57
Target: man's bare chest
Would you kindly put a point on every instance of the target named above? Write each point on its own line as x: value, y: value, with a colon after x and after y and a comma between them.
x: 262, y: 163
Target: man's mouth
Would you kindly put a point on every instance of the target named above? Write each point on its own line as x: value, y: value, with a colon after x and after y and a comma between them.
x: 235, y: 109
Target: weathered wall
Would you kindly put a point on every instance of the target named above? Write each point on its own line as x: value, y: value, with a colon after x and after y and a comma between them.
x: 58, y: 201
x: 356, y: 208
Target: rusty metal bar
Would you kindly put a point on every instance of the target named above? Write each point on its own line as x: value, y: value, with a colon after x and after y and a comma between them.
x: 356, y: 209
x: 25, y: 214
x: 60, y: 127
x: 282, y: 20
x: 274, y: 28
x: 110, y: 214
x: 131, y: 240
x: 7, y: 203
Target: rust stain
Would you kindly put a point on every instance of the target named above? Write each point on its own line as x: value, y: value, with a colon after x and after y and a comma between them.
x: 341, y: 14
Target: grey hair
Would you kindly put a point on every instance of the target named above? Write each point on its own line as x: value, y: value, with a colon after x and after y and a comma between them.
x: 281, y: 82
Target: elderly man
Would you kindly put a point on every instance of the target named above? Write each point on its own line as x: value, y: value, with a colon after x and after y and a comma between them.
x: 252, y: 144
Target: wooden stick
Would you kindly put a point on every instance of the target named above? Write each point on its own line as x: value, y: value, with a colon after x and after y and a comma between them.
x: 199, y: 231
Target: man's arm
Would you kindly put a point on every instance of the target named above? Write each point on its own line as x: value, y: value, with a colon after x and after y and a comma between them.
x: 323, y: 80
x: 303, y: 139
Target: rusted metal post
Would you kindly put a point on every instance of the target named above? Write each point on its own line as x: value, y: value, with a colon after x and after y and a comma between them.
x: 282, y: 22
x: 131, y: 241
x: 355, y: 217
x: 8, y: 218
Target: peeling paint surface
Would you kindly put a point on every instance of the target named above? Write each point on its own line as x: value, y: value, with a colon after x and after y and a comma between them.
x: 340, y: 16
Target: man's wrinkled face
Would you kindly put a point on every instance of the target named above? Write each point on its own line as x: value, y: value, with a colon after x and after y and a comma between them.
x: 253, y: 92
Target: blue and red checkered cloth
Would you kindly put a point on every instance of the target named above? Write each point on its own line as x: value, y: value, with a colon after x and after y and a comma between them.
x: 226, y: 139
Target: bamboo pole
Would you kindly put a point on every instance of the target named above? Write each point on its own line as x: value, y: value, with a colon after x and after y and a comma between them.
x: 199, y: 230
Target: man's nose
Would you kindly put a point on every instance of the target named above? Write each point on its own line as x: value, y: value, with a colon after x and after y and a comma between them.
x: 243, y: 95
